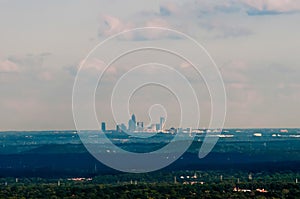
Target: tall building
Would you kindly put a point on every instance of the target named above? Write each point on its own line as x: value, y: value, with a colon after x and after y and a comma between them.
x: 162, y: 123
x: 132, y: 123
x: 157, y: 127
x: 118, y: 128
x: 103, y: 126
x: 152, y: 127
x: 140, y: 126
x: 121, y: 128
x: 133, y: 118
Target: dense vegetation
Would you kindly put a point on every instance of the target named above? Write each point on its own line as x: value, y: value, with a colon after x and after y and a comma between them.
x: 157, y: 185
x: 161, y: 190
x: 63, y: 160
x: 236, y: 168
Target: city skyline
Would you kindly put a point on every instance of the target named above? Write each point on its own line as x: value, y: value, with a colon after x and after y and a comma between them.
x: 137, y: 126
x: 150, y: 99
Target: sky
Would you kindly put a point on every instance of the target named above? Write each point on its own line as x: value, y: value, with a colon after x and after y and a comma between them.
x: 254, y: 43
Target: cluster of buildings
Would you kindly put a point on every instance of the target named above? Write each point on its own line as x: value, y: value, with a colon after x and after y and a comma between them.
x: 134, y: 126
x: 138, y: 126
x: 80, y: 179
x: 236, y: 189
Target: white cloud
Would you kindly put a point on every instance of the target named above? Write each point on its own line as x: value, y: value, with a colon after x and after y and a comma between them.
x: 94, y: 65
x: 110, y: 25
x: 7, y: 66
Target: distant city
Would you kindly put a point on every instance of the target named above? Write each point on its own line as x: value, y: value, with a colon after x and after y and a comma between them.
x: 135, y: 126
x: 138, y: 127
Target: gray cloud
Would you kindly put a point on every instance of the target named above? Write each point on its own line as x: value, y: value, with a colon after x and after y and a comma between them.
x: 271, y: 7
x: 250, y: 7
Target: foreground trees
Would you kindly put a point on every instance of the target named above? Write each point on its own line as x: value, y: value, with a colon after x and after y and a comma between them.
x: 163, y: 190
x: 216, y: 184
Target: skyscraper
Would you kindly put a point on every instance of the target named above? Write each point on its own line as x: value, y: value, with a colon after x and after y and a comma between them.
x: 133, y: 118
x: 132, y: 123
x: 140, y: 126
x: 157, y: 127
x: 162, y: 123
x: 118, y: 128
x: 103, y: 126
x: 121, y: 128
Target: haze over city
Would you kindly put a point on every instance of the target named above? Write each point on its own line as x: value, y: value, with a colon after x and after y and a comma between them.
x: 254, y: 43
x: 149, y: 99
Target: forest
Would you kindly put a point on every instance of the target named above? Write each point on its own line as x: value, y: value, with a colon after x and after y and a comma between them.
x: 180, y: 184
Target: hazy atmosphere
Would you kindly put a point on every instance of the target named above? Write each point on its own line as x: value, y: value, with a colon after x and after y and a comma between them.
x: 254, y: 43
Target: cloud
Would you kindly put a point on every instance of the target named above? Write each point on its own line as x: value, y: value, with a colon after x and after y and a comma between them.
x: 224, y: 30
x: 271, y: 7
x: 274, y: 5
x: 7, y: 66
x: 92, y: 68
x: 202, y: 7
x: 186, y: 16
x: 250, y: 7
x: 183, y: 16
x: 168, y: 8
x: 97, y: 65
x: 31, y: 66
x: 29, y: 62
x: 185, y: 65
x: 110, y: 25
x: 45, y: 75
